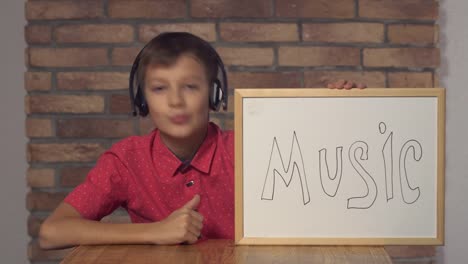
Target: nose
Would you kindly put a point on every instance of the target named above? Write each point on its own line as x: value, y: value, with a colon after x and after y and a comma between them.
x: 175, y: 97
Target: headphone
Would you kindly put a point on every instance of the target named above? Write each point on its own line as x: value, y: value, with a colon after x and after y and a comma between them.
x: 218, y: 89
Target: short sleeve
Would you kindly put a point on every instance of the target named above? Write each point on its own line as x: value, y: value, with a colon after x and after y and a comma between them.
x: 103, y: 191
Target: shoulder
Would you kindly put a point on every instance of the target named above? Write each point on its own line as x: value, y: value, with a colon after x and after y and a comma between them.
x: 227, y: 137
x: 223, y: 136
x: 225, y: 141
x: 132, y: 145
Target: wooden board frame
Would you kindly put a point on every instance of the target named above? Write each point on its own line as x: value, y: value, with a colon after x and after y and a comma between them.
x: 240, y: 94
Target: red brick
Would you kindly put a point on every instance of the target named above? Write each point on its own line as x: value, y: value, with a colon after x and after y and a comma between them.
x: 264, y: 79
x: 85, y: 152
x: 37, y: 81
x: 401, y: 57
x: 38, y: 34
x: 120, y: 104
x: 146, y: 125
x: 436, y: 33
x: 436, y: 80
x: 34, y: 224
x: 36, y: 127
x: 94, y: 128
x: 343, y: 32
x: 320, y: 79
x: 410, y: 251
x: 35, y: 253
x: 247, y: 32
x: 115, y: 33
x: 147, y: 9
x: 67, y: 57
x: 92, y: 80
x: 246, y: 56
x: 231, y: 105
x: 411, y: 34
x: 26, y: 56
x: 205, y: 31
x: 43, y: 201
x: 315, y: 8
x: 229, y: 8
x: 124, y: 56
x: 72, y: 176
x: 64, y: 9
x: 402, y: 9
x: 318, y: 56
x: 410, y: 79
x: 64, y: 104
x: 40, y: 178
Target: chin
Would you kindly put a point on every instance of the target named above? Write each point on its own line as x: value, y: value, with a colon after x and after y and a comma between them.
x: 180, y: 132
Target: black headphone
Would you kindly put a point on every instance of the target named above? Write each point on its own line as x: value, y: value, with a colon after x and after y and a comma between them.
x: 218, y: 94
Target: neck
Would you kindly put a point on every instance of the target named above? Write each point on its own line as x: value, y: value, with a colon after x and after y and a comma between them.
x: 185, y: 148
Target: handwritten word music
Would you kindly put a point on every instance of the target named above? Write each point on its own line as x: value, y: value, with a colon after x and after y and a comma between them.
x: 358, y: 152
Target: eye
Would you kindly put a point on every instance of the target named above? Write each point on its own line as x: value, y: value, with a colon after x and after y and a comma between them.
x: 191, y: 86
x: 158, y: 88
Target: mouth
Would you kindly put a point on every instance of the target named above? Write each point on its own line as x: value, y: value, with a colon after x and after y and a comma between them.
x: 179, y: 119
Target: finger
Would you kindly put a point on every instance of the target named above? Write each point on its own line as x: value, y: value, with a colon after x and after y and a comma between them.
x: 193, y: 204
x: 345, y: 84
x: 194, y: 231
x: 196, y: 219
x: 197, y: 216
x: 197, y: 223
x: 339, y: 84
x: 331, y: 86
x: 361, y: 86
x: 189, y: 238
x: 349, y: 85
x: 192, y: 239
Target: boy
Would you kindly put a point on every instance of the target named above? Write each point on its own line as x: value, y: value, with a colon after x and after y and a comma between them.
x: 177, y: 183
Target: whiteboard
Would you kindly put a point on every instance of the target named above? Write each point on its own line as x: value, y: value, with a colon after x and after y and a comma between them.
x: 321, y: 166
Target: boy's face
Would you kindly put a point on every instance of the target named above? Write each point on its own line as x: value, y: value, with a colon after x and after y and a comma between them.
x: 177, y: 97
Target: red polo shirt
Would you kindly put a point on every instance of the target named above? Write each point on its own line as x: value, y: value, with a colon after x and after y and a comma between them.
x: 143, y: 176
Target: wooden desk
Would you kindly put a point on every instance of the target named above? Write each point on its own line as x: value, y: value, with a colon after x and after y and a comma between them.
x: 224, y: 251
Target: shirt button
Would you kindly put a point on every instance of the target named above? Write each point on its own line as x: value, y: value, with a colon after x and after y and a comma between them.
x: 190, y: 183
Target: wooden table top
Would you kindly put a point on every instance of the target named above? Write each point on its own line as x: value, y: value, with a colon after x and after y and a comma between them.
x: 224, y: 251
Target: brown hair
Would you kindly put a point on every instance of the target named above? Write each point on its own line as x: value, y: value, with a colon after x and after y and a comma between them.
x: 167, y: 47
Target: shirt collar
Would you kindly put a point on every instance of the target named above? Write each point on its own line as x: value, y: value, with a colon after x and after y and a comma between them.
x: 165, y: 161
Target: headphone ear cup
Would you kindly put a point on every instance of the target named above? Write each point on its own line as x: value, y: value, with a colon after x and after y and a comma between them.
x: 216, y: 95
x: 140, y: 102
x: 144, y: 108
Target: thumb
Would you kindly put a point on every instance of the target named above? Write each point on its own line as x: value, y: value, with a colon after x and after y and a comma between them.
x: 193, y: 204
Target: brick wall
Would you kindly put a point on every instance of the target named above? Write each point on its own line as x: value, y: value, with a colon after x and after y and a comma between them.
x: 79, y: 55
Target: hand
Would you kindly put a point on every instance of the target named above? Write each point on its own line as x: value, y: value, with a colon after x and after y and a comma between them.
x: 346, y: 85
x: 182, y: 226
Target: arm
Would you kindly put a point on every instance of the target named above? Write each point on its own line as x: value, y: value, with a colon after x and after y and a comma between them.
x: 65, y: 228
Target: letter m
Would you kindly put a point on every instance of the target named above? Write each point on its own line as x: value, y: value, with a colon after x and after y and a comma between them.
x: 276, y: 167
